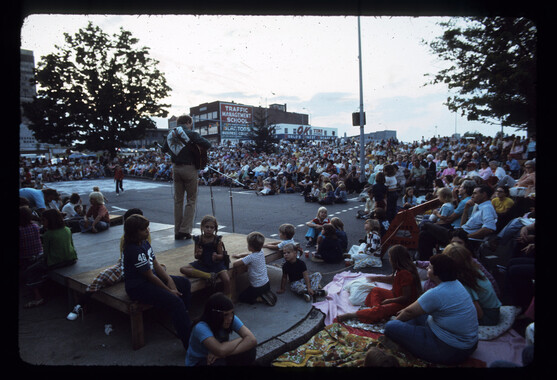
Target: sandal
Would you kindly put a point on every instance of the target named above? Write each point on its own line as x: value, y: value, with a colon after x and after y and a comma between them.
x: 269, y: 298
x: 33, y: 303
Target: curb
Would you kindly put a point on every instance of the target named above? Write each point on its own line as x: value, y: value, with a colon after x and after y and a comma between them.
x: 289, y: 340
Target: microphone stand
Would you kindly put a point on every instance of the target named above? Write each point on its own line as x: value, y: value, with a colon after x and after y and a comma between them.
x: 230, y: 193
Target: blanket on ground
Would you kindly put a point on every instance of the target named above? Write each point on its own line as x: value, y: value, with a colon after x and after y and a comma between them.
x: 337, y: 300
x: 507, y: 345
x: 339, y: 346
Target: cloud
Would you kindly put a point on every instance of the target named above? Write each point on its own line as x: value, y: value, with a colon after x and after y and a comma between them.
x: 308, y: 62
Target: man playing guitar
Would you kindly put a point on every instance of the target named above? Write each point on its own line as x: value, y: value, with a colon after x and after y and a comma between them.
x: 188, y: 153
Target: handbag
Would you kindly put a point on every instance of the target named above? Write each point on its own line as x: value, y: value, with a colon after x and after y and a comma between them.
x: 225, y: 257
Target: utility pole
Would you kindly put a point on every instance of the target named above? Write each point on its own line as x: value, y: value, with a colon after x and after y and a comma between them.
x: 362, y: 145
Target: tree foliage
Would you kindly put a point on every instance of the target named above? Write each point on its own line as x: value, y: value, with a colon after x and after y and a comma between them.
x: 492, y: 69
x: 262, y: 133
x: 96, y: 92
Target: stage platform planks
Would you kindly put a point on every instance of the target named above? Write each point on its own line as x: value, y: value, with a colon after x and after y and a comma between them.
x: 116, y: 297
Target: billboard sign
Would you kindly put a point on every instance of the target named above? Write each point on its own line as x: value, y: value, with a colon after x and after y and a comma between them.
x: 236, y: 121
x: 236, y: 114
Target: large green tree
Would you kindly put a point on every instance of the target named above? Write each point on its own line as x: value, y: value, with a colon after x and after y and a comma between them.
x: 492, y: 69
x: 96, y: 92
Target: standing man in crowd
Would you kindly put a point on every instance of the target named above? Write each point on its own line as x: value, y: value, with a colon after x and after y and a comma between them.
x: 184, y: 173
x: 119, y: 179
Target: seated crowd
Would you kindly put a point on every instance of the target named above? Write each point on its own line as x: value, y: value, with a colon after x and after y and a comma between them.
x: 486, y: 187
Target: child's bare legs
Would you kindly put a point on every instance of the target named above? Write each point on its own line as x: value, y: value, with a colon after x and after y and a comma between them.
x: 225, y: 278
x: 190, y: 271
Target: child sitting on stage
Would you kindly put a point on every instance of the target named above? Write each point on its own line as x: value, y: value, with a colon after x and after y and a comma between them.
x: 209, y: 254
x: 295, y: 271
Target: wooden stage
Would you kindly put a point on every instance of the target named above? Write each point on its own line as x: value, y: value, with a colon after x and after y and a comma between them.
x: 173, y: 259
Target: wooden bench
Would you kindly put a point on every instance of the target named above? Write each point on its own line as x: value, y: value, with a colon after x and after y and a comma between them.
x: 115, y: 219
x: 116, y: 297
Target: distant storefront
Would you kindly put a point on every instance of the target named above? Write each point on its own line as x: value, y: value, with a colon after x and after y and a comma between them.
x: 231, y: 122
x: 304, y: 132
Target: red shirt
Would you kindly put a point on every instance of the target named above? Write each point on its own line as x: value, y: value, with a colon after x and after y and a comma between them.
x: 119, y: 174
x: 404, y: 278
x: 97, y: 210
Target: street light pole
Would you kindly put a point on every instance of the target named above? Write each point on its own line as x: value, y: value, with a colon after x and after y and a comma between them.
x: 362, y: 145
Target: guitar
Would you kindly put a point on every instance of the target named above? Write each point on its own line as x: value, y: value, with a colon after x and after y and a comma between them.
x: 178, y: 140
x: 199, y: 155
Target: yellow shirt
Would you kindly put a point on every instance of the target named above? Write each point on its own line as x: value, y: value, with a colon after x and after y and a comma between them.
x: 502, y: 206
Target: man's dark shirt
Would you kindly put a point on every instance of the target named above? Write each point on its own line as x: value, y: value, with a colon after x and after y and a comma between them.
x: 185, y: 157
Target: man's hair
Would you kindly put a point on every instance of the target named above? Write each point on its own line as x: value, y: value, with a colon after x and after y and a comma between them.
x: 288, y: 230
x: 51, y: 193
x: 74, y: 198
x: 469, y: 186
x: 183, y: 120
x: 486, y: 190
x: 256, y: 240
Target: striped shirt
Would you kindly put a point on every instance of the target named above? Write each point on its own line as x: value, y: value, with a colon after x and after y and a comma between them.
x: 257, y: 269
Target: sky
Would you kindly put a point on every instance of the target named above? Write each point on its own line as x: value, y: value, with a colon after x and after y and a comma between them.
x: 309, y: 63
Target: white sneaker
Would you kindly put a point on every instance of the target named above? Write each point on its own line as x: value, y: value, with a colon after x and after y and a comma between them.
x: 307, y: 297
x: 72, y: 316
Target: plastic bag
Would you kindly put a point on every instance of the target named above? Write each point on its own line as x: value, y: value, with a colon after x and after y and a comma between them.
x: 358, y: 290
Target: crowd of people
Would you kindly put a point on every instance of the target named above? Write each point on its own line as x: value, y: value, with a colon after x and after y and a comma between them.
x: 338, y: 160
x: 487, y: 189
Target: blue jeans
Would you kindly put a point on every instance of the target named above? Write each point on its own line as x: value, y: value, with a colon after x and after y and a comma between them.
x: 416, y: 336
x: 151, y: 294
x: 100, y: 226
x: 510, y: 231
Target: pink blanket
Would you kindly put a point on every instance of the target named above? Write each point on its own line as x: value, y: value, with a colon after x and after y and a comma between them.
x: 507, y: 347
x: 337, y: 301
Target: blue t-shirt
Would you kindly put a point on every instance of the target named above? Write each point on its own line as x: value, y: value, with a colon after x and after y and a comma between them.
x: 34, y: 196
x: 485, y: 295
x: 447, y: 209
x: 459, y: 210
x: 201, y: 331
x: 452, y: 315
